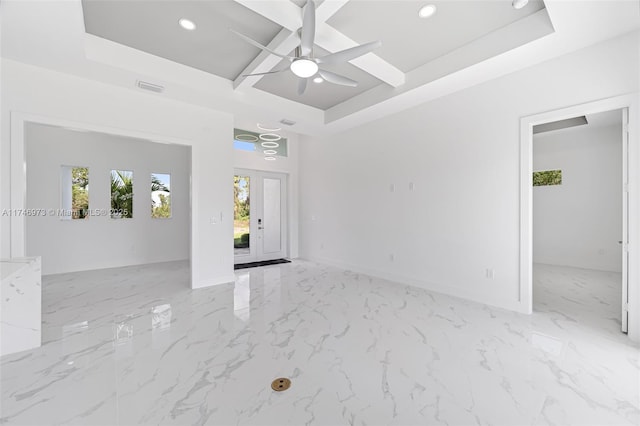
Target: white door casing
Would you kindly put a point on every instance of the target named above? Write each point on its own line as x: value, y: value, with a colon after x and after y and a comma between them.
x: 629, y: 102
x: 625, y: 220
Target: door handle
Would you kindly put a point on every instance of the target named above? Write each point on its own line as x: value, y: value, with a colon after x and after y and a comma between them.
x: 619, y: 242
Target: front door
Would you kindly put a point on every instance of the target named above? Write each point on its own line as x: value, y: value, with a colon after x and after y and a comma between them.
x: 260, y: 202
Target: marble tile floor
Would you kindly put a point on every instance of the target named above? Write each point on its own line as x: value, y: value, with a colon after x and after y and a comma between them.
x: 136, y: 346
x: 593, y: 299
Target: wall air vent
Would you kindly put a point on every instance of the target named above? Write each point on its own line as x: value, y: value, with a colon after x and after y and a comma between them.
x: 287, y: 122
x: 149, y: 86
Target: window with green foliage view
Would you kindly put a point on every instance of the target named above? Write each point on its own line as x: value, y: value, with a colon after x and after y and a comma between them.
x: 160, y: 195
x: 547, y: 178
x: 121, y: 194
x: 75, y: 192
x: 241, y: 214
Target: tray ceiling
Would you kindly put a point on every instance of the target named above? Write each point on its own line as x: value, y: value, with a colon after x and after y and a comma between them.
x: 152, y: 26
x: 408, y: 42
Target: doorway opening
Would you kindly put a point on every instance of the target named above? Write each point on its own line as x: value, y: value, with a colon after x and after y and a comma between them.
x: 629, y: 319
x: 104, y: 209
x: 260, y: 220
x: 580, y: 213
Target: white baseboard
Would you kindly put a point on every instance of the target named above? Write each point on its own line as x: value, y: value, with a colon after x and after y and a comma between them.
x: 451, y: 290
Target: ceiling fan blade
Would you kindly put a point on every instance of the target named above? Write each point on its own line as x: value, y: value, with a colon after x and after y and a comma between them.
x: 302, y: 85
x: 349, y: 54
x: 264, y: 73
x: 268, y: 72
x: 258, y: 45
x: 308, y: 28
x: 337, y: 78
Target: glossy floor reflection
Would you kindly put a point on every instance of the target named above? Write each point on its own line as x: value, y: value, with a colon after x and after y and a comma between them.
x: 137, y: 346
x: 580, y: 299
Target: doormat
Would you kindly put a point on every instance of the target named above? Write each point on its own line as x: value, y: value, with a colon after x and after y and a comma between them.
x: 263, y: 263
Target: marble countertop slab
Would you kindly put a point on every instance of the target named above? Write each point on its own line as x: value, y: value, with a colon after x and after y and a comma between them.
x: 20, y: 305
x: 10, y: 266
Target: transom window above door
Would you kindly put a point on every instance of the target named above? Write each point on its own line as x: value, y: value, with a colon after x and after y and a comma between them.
x: 268, y: 144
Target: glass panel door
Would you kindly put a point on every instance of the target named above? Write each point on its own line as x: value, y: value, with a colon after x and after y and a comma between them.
x: 259, y: 222
x: 242, y: 215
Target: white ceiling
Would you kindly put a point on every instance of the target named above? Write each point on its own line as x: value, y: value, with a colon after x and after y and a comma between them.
x: 407, y: 40
x: 605, y: 119
x: 577, y: 124
x: 152, y: 26
x: 51, y: 34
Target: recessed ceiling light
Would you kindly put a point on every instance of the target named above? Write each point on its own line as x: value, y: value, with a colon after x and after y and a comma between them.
x: 519, y: 4
x: 270, y: 152
x: 268, y: 129
x: 427, y: 11
x: 270, y: 158
x: 187, y: 24
x: 304, y: 68
x: 270, y: 137
x: 318, y: 80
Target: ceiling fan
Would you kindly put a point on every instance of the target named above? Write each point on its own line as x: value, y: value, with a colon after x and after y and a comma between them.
x: 304, y: 64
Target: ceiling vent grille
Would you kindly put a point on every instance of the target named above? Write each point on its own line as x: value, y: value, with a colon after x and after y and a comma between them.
x: 287, y: 122
x: 150, y: 86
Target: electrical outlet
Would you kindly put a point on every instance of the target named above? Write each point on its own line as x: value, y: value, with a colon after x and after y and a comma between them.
x: 489, y: 274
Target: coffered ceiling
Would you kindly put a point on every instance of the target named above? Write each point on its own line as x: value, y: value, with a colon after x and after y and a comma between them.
x: 152, y: 26
x: 408, y: 41
x: 122, y: 43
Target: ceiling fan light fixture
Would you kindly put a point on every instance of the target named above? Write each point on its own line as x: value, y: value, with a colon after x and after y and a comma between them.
x: 304, y: 65
x: 519, y: 4
x: 187, y: 24
x: 428, y: 11
x: 304, y: 68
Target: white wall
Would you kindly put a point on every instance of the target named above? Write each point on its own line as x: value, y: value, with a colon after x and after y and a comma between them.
x: 35, y: 94
x: 462, y: 154
x: 579, y: 223
x: 287, y: 165
x: 99, y: 241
